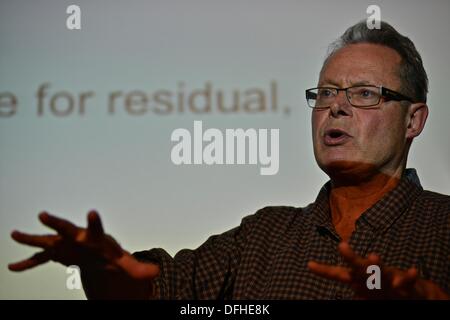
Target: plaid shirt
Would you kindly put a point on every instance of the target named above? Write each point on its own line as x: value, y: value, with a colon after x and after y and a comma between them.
x: 266, y: 256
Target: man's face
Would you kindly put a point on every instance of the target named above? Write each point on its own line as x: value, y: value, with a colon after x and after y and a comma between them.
x: 354, y: 141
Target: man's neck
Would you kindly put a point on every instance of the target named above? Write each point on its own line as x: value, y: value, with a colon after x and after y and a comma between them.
x: 349, y: 200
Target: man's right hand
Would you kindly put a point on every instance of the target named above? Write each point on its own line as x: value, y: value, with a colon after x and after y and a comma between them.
x: 107, y: 271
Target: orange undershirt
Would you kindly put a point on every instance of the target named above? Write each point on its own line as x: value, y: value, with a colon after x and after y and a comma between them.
x: 348, y: 202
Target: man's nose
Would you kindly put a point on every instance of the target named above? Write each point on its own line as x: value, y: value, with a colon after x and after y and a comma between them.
x: 341, y: 106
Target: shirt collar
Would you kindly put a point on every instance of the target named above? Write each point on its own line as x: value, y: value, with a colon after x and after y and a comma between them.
x: 383, y: 213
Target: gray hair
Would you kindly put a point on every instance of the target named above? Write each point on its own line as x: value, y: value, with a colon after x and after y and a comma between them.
x: 414, y: 80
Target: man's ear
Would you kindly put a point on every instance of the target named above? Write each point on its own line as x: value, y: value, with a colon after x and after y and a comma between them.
x: 417, y: 115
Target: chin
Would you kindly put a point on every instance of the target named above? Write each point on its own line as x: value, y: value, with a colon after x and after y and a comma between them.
x: 344, y: 169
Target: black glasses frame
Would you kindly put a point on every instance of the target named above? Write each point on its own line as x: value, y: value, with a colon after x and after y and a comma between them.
x: 386, y: 93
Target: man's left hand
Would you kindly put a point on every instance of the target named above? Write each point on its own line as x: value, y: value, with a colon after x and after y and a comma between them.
x: 395, y: 283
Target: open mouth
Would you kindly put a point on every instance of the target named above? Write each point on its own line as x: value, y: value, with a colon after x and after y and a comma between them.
x: 335, y: 137
x: 335, y: 133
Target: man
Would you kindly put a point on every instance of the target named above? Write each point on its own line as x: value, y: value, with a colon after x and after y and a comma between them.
x: 370, y: 103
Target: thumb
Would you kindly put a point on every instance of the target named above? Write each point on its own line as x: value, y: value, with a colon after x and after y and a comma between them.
x: 136, y: 269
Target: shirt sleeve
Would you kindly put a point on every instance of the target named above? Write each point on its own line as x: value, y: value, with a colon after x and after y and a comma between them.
x: 207, y: 272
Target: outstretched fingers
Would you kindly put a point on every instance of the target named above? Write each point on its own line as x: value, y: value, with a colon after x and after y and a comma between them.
x: 41, y: 241
x: 405, y: 279
x: 351, y: 257
x: 331, y: 272
x: 35, y: 260
x: 357, y: 263
x: 62, y: 226
x: 95, y: 227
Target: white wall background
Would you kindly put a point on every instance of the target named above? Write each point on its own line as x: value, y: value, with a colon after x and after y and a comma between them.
x: 120, y: 164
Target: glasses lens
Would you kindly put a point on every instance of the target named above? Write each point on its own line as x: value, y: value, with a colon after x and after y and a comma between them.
x: 364, y: 96
x: 311, y: 96
x: 320, y: 97
x: 358, y: 96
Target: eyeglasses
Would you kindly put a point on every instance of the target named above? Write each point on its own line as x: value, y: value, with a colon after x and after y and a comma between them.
x: 357, y: 96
